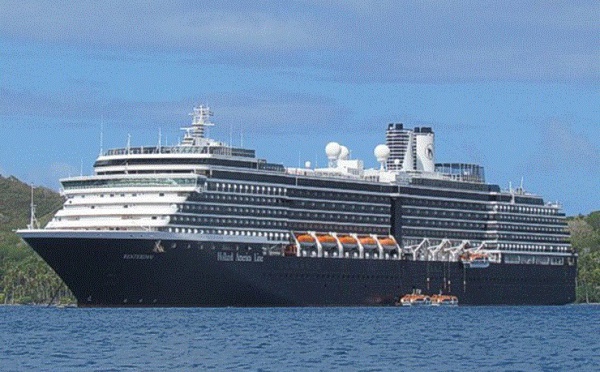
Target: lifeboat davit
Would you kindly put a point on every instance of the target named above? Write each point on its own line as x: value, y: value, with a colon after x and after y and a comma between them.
x: 305, y: 238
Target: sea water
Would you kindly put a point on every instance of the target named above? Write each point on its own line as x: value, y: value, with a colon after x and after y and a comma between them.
x: 317, y: 339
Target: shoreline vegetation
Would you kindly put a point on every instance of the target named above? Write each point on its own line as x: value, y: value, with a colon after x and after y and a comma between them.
x: 26, y: 279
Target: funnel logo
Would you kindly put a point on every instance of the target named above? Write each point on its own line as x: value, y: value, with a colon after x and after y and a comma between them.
x: 429, y: 152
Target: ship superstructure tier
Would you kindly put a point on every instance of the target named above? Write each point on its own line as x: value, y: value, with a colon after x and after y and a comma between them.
x: 407, y: 209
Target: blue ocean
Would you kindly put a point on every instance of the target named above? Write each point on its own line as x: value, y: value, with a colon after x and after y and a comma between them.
x: 315, y: 339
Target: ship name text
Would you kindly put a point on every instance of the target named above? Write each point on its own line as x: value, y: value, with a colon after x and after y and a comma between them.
x: 231, y: 256
x: 138, y: 256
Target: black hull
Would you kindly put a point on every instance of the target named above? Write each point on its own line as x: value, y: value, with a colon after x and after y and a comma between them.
x: 129, y: 272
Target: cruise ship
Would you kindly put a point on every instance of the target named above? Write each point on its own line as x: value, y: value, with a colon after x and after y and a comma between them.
x: 204, y: 223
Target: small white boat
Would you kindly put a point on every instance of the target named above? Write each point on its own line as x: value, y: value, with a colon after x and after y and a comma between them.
x: 444, y: 300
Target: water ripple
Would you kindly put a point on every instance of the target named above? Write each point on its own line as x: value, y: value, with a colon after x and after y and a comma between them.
x: 321, y: 339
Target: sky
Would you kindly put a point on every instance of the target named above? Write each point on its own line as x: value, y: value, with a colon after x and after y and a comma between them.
x: 510, y: 85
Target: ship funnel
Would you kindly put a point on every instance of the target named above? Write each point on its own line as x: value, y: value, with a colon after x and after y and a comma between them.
x: 425, y: 150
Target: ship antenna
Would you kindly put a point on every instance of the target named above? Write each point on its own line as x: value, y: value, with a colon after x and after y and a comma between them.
x: 33, y: 222
x: 159, y: 140
x: 522, y: 184
x: 101, y: 132
x: 230, y: 140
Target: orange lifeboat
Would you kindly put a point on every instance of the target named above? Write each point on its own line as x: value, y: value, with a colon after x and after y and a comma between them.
x: 444, y: 300
x: 367, y: 241
x: 414, y: 300
x: 305, y: 238
x: 387, y: 241
x: 326, y: 239
x: 475, y: 260
x: 347, y: 240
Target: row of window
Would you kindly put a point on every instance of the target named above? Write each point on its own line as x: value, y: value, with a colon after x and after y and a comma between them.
x: 246, y: 189
x: 451, y: 224
x: 443, y: 204
x: 529, y: 237
x: 529, y: 228
x: 533, y: 260
x: 522, y: 209
x: 267, y: 234
x: 230, y: 222
x: 280, y: 224
x: 122, y: 195
x: 518, y: 218
x: 345, y: 229
x: 443, y: 234
x: 444, y: 214
x: 241, y: 199
x: 339, y: 217
x: 329, y: 195
x: 228, y: 209
x: 342, y: 206
x: 532, y: 247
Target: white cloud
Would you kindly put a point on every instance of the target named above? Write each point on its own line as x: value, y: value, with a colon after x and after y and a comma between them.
x: 269, y: 112
x: 143, y: 25
x: 348, y: 40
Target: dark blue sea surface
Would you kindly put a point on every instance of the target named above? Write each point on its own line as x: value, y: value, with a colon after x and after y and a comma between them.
x: 273, y: 339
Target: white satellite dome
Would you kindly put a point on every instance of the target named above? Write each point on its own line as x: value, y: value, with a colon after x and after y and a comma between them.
x: 382, y: 152
x: 344, y: 153
x: 307, y: 164
x: 333, y: 150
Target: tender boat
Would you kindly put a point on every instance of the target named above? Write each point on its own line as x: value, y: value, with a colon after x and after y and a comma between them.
x: 475, y: 260
x: 444, y: 300
x: 415, y: 299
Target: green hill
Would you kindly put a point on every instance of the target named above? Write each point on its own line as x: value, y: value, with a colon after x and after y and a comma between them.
x: 25, y: 278
x: 585, y: 238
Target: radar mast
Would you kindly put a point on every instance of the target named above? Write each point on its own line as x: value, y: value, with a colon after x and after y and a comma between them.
x: 194, y: 135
